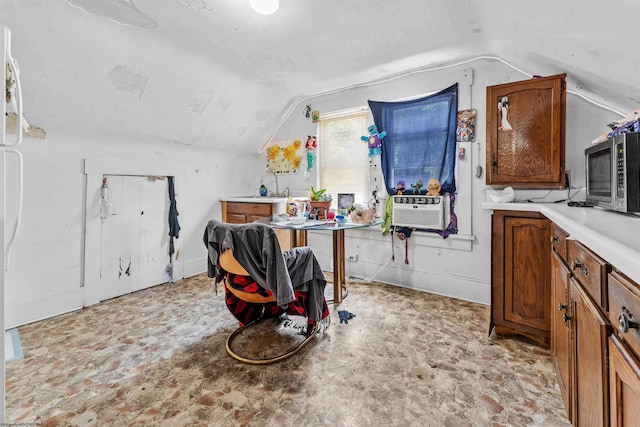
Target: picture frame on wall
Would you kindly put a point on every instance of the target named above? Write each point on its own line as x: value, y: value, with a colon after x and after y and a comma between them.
x: 345, y: 200
x: 466, y: 126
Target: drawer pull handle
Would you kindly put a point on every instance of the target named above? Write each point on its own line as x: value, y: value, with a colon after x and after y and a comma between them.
x: 577, y: 264
x: 625, y: 321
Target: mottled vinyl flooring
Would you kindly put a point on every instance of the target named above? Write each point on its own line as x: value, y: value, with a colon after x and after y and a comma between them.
x: 157, y: 357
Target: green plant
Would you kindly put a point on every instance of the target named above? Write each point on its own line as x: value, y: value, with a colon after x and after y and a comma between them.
x: 319, y: 195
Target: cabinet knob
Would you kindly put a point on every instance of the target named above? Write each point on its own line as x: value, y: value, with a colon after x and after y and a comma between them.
x: 577, y: 264
x: 554, y: 239
x: 565, y: 317
x: 562, y: 307
x: 626, y: 322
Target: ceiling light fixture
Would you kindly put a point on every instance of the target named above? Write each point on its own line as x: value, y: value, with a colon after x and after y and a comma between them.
x: 265, y: 7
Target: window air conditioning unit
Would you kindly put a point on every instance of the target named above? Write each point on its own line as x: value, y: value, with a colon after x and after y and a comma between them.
x: 428, y: 212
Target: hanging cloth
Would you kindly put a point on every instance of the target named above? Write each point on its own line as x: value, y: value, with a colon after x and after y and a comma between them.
x: 174, y: 226
x: 403, y: 234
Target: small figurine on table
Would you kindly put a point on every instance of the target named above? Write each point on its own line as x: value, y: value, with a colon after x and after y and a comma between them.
x: 433, y: 187
x: 417, y: 186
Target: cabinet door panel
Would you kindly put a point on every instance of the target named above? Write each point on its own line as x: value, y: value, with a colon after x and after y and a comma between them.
x: 527, y: 272
x: 521, y: 275
x: 560, y: 329
x: 525, y: 133
x: 591, y: 383
x: 624, y: 379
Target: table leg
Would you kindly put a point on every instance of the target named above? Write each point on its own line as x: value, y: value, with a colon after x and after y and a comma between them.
x: 338, y: 264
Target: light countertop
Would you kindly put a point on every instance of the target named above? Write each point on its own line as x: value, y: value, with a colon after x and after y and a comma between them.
x: 253, y: 199
x: 260, y: 199
x: 613, y: 236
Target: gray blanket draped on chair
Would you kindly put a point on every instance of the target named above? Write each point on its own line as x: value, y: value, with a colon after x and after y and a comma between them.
x: 255, y: 246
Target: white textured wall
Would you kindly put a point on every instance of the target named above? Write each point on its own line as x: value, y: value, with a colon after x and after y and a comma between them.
x: 46, y: 275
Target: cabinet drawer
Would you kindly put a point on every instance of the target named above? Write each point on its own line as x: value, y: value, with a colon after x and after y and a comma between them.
x: 256, y: 209
x: 236, y: 218
x: 590, y: 270
x: 559, y: 241
x: 624, y: 310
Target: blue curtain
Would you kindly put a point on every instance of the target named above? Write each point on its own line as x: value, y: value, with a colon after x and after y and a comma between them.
x: 421, y: 140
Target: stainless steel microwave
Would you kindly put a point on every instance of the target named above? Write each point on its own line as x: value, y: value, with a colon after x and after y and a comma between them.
x: 613, y: 173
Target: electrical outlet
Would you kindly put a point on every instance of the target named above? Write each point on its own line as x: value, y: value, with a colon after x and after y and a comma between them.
x: 353, y: 258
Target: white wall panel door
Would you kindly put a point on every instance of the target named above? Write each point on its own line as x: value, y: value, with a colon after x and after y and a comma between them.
x: 135, y: 236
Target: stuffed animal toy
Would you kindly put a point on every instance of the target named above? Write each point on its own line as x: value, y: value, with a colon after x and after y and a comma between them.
x: 310, y: 147
x: 363, y: 214
x: 433, y: 187
x: 417, y: 186
x: 400, y: 188
x: 374, y: 140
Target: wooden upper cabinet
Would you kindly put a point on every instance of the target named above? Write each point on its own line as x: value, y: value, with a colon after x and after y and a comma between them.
x: 526, y: 133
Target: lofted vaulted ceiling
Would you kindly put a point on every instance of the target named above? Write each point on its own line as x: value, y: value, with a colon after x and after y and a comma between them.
x: 213, y: 73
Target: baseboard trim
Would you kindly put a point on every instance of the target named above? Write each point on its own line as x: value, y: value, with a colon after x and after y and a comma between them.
x: 195, y: 266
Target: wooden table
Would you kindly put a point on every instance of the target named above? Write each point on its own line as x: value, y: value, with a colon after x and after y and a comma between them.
x: 299, y: 238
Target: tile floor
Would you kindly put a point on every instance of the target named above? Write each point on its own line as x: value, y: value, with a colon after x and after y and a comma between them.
x: 157, y: 357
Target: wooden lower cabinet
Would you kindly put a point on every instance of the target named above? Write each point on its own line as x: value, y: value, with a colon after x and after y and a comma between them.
x: 243, y: 213
x: 591, y: 330
x: 624, y: 351
x: 593, y: 316
x: 624, y: 380
x: 521, y: 275
x: 561, y: 330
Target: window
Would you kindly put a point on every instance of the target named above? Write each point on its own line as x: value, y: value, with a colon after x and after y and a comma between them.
x: 343, y: 156
x: 421, y: 139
